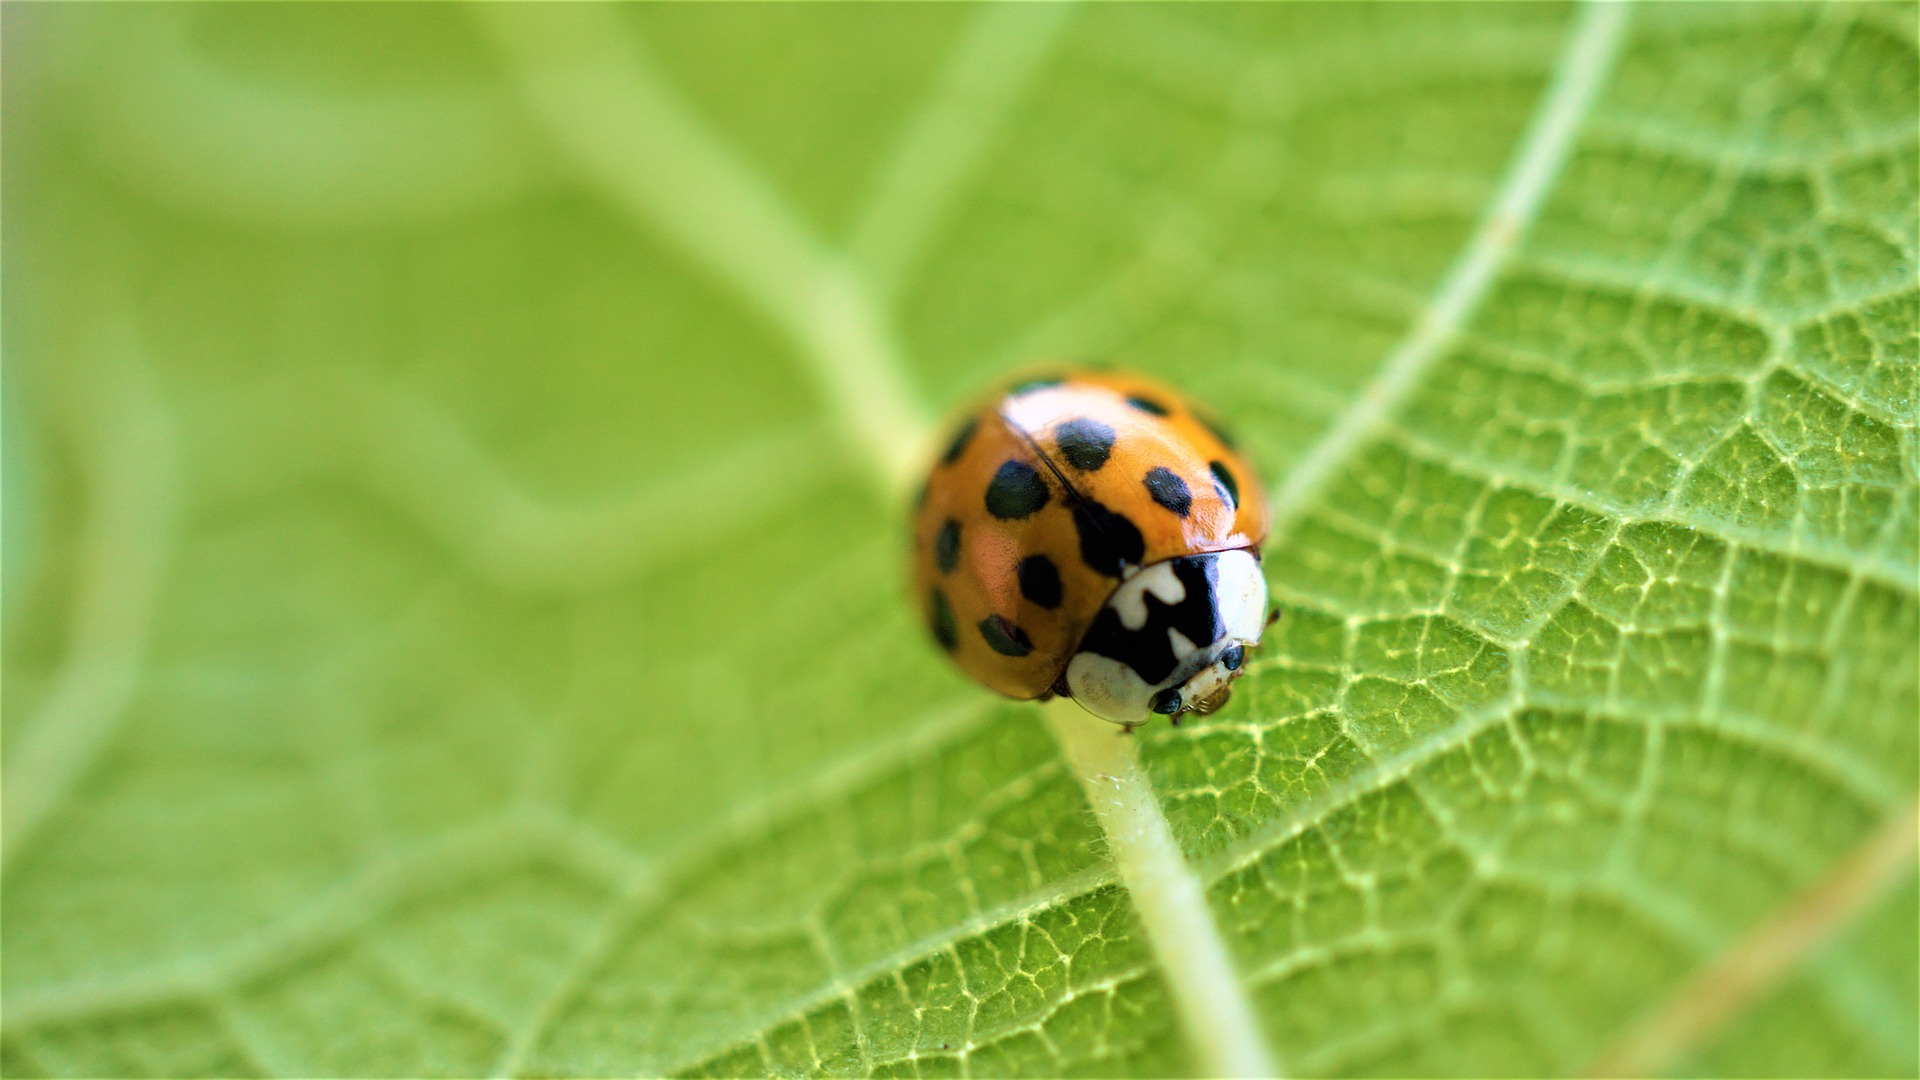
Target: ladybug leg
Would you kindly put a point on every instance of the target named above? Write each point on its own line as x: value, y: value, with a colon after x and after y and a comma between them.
x: 1127, y: 729
x: 1174, y: 719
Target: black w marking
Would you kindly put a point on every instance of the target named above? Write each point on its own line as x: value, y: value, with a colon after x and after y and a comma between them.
x: 1148, y: 650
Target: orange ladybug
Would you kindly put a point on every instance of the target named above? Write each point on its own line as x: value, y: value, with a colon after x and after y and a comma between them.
x: 1094, y: 536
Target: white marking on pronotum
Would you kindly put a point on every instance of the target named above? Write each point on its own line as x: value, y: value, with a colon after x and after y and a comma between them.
x: 1129, y: 601
x: 1207, y: 992
x: 1582, y: 69
x: 1181, y: 644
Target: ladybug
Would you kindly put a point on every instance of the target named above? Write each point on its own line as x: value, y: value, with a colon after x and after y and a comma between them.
x: 1096, y: 537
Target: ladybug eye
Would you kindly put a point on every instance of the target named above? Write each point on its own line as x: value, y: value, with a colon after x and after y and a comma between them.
x: 1234, y: 657
x: 1166, y: 702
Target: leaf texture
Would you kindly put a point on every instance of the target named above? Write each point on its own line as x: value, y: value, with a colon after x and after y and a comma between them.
x: 454, y: 627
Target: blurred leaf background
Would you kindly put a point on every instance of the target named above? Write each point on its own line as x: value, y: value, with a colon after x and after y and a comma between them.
x: 453, y: 616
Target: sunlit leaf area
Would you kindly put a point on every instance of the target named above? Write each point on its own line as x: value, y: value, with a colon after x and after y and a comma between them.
x: 455, y: 477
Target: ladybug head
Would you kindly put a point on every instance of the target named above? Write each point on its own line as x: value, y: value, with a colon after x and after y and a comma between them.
x: 1171, y: 639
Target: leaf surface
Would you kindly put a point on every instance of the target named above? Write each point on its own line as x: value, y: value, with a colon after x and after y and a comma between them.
x: 453, y: 624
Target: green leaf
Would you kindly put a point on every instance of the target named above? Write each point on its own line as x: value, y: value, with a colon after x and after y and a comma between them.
x: 454, y: 617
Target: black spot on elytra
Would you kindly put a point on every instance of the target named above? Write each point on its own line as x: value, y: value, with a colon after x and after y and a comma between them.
x: 1016, y: 491
x: 1086, y: 443
x: 1149, y: 650
x: 960, y: 439
x: 1003, y: 637
x: 1148, y: 405
x: 1109, y: 543
x: 946, y: 546
x: 1169, y: 490
x: 1229, y: 487
x: 940, y: 620
x: 1040, y: 581
x: 1030, y: 385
